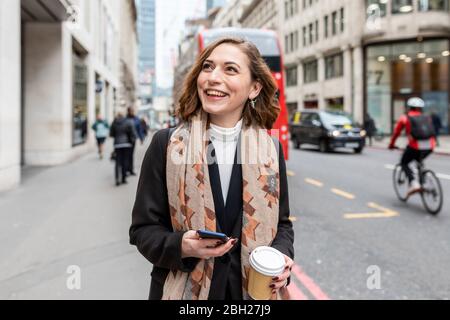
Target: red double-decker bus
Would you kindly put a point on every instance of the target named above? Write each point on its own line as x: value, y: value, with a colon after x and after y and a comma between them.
x: 269, y: 46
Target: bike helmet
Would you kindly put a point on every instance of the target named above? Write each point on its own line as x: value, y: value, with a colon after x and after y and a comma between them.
x: 415, y: 103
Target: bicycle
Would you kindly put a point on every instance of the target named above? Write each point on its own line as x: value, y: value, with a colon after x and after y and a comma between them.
x: 430, y: 187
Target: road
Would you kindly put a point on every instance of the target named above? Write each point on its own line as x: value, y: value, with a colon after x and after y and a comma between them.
x: 73, y: 215
x: 341, y: 257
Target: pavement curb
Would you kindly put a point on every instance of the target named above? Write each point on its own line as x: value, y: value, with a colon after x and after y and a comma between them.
x: 441, y: 153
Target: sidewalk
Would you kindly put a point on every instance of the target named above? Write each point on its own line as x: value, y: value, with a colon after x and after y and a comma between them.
x: 402, y: 142
x: 71, y: 215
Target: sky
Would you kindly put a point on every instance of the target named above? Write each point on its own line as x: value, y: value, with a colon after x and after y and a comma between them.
x: 170, y: 17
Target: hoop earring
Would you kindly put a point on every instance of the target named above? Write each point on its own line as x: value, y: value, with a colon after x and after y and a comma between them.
x: 253, y: 103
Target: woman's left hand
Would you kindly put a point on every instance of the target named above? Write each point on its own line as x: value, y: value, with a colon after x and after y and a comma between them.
x: 281, y: 280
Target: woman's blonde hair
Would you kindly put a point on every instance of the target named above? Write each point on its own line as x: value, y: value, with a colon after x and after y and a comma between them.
x: 267, y: 107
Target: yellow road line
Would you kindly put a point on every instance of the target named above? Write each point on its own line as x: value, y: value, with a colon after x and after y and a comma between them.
x: 343, y: 194
x: 314, y: 182
x: 290, y: 173
x: 292, y: 218
x: 385, y: 213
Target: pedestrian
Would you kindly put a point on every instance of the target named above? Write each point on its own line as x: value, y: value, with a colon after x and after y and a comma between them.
x: 144, y: 128
x: 101, y: 129
x: 437, y: 124
x: 123, y: 133
x: 369, y: 127
x: 136, y: 123
x: 200, y: 176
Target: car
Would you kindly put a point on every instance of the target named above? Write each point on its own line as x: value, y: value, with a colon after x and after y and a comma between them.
x: 327, y: 130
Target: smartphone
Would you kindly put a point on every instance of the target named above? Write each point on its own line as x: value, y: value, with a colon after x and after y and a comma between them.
x: 204, y: 234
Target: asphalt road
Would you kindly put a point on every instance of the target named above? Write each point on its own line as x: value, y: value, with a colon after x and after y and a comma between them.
x: 405, y: 254
x: 73, y: 215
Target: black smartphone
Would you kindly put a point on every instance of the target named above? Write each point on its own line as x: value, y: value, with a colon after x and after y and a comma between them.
x: 204, y: 234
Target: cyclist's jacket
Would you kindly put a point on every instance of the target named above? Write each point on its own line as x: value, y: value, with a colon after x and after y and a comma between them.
x: 404, y: 123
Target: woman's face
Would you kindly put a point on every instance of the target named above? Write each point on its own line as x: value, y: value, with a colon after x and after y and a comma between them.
x: 225, y: 83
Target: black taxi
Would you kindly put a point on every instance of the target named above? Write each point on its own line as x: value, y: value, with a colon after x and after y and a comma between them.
x: 327, y: 130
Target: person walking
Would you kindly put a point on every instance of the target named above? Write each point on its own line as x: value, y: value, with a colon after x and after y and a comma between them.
x: 101, y: 129
x: 124, y: 136
x: 136, y: 124
x: 205, y: 174
x: 369, y: 127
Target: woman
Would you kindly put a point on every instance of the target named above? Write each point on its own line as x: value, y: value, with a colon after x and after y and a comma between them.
x: 203, y: 177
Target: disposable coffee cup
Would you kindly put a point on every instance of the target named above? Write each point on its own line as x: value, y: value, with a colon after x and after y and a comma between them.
x: 265, y: 263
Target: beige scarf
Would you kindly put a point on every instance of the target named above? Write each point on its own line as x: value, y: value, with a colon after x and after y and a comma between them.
x: 192, y: 206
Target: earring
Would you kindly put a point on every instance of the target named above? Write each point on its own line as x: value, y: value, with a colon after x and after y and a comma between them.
x: 253, y: 103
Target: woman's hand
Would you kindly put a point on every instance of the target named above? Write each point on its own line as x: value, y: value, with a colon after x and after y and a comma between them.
x: 281, y: 280
x: 193, y: 246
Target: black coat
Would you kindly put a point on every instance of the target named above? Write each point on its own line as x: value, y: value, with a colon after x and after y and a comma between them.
x: 151, y: 229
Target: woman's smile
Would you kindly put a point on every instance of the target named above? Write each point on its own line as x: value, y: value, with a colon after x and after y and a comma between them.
x: 215, y: 95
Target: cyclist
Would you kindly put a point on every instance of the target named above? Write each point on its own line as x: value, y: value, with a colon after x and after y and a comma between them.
x: 421, y: 136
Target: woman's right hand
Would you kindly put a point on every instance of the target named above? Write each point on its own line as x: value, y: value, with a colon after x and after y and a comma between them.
x: 192, y: 246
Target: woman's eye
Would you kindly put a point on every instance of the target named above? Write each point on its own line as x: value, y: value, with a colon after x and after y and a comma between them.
x: 231, y: 69
x: 206, y: 66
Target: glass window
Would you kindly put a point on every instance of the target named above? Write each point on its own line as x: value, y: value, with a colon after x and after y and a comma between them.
x: 430, y: 5
x: 317, y: 30
x: 376, y: 8
x: 305, y: 39
x: 334, y: 66
x: 310, y: 73
x: 80, y: 112
x: 334, y: 23
x: 291, y: 76
x: 336, y: 119
x: 402, y: 6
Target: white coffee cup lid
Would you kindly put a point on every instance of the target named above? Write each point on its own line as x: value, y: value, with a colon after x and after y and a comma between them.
x: 268, y: 261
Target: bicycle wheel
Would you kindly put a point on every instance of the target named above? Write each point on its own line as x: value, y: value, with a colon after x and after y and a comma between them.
x: 400, y: 183
x: 431, y: 194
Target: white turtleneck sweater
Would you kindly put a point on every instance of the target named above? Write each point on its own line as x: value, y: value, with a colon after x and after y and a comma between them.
x: 225, y: 142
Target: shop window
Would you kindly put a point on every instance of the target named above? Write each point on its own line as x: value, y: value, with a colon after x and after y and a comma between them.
x: 402, y: 6
x: 433, y: 5
x: 79, y: 114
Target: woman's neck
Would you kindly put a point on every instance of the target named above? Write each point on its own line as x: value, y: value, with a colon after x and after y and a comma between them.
x: 225, y: 122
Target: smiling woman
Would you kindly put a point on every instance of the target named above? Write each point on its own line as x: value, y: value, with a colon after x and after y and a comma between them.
x: 227, y: 104
x: 224, y: 66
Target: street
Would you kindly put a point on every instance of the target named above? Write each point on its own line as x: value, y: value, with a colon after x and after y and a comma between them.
x: 411, y: 249
x: 73, y: 215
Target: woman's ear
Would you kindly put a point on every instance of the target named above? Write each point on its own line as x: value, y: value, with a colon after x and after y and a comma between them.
x: 255, y: 90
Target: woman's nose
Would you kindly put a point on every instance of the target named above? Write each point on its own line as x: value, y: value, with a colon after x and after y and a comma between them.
x: 215, y: 76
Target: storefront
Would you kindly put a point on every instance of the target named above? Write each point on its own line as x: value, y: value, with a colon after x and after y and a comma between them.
x: 395, y: 72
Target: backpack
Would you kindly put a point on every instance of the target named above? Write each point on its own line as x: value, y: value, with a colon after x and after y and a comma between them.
x: 421, y: 127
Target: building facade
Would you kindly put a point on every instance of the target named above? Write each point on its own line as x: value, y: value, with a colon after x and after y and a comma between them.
x: 147, y: 38
x: 129, y: 82
x: 59, y: 68
x: 367, y: 56
x: 211, y: 4
x: 262, y: 14
x: 230, y: 14
x: 359, y: 56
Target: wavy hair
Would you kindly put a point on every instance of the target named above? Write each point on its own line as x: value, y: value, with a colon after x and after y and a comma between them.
x: 267, y: 106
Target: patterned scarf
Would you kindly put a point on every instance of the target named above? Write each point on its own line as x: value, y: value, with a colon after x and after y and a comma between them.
x: 192, y: 205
